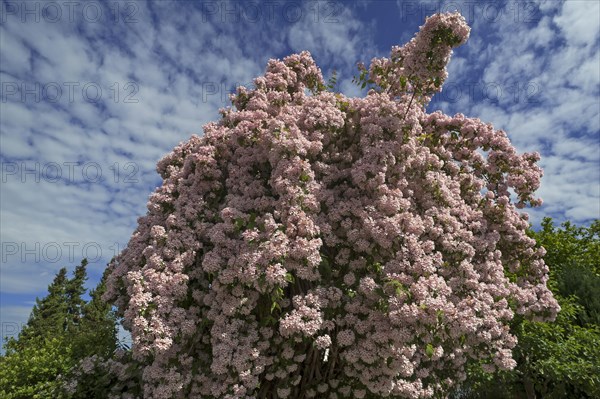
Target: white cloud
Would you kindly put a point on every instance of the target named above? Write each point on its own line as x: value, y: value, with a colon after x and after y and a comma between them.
x: 19, y: 54
x: 155, y: 76
x: 545, y: 62
x: 168, y: 59
x: 579, y: 21
x: 335, y: 39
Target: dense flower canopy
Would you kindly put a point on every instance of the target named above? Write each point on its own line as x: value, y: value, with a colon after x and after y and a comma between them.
x: 314, y: 245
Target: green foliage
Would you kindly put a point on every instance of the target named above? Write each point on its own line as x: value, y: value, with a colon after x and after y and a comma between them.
x: 74, y: 289
x: 97, y: 333
x: 62, y: 330
x: 482, y: 385
x: 362, y: 80
x: 584, y: 286
x: 332, y: 82
x: 32, y: 371
x: 573, y: 255
x: 48, y: 316
x: 570, y: 246
x: 560, y: 359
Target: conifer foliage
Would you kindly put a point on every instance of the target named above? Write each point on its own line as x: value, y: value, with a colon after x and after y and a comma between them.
x: 63, y: 329
x: 49, y: 315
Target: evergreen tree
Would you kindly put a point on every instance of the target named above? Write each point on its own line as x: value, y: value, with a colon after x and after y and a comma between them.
x: 74, y: 290
x: 60, y: 311
x: 42, y: 351
x: 62, y: 330
x: 97, y: 333
x: 47, y: 317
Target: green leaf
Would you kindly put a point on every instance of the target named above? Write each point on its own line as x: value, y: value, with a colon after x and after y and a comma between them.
x: 239, y: 224
x: 275, y: 305
x: 440, y: 315
x: 377, y: 268
x: 403, y: 82
x: 429, y: 350
x: 383, y: 305
x: 304, y: 177
x: 252, y: 220
x: 289, y: 278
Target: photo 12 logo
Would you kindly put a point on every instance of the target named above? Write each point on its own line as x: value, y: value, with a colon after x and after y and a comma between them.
x: 269, y: 11
x: 11, y: 329
x: 507, y: 92
x: 70, y: 11
x: 210, y: 90
x: 472, y: 10
x: 55, y: 92
x: 54, y: 252
x: 69, y: 172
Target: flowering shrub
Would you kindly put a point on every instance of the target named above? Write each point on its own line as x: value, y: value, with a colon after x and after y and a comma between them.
x: 314, y: 245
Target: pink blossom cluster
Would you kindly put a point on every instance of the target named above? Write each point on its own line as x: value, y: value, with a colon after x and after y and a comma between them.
x: 419, y: 67
x: 314, y: 245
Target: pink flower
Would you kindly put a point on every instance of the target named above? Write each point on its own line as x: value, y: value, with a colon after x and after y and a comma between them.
x: 323, y: 342
x: 355, y: 224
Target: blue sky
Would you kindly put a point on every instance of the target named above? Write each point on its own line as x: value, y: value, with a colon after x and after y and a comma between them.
x: 94, y: 93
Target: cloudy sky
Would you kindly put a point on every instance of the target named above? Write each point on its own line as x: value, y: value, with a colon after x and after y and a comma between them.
x: 94, y: 93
